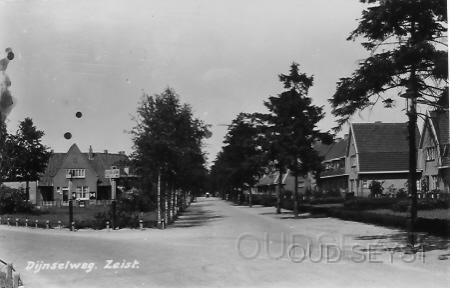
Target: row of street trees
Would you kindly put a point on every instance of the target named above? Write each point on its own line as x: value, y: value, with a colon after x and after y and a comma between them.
x: 407, y: 41
x: 281, y: 139
x: 168, y: 151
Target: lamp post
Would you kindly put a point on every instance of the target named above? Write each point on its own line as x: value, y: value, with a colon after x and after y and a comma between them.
x: 411, y: 103
x: 113, y: 202
x: 70, y: 175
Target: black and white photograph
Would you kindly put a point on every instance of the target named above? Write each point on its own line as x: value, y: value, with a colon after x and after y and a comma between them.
x: 224, y: 143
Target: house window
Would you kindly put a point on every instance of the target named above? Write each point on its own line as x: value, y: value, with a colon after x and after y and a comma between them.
x: 76, y: 173
x: 430, y: 153
x: 83, y: 192
x: 65, y: 192
x: 433, y: 182
x: 352, y: 185
x: 364, y: 184
x: 353, y: 160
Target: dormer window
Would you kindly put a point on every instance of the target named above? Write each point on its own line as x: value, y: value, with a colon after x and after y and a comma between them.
x: 430, y: 153
x: 75, y: 173
x: 353, y: 160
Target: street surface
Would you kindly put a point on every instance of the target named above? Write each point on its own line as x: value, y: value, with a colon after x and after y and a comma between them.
x: 218, y: 244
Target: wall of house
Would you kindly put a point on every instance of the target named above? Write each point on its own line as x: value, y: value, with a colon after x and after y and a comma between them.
x: 330, y: 184
x: 430, y: 171
x: 389, y: 181
x: 352, y: 171
x: 74, y: 161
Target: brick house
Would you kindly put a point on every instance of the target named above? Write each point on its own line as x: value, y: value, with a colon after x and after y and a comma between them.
x: 377, y: 151
x: 88, y: 175
x: 434, y: 156
x: 334, y: 177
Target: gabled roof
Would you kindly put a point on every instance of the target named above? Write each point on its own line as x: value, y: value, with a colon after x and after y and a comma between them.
x: 53, y: 165
x: 337, y: 150
x: 438, y: 123
x: 99, y: 162
x: 321, y: 148
x: 382, y: 146
x: 441, y: 125
x: 102, y: 161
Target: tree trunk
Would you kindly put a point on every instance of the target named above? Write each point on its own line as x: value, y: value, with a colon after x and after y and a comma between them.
x: 27, y: 190
x: 250, y: 204
x: 279, y: 191
x: 296, y: 195
x: 158, y: 201
x: 173, y: 204
x: 412, y: 187
x: 166, y: 205
x: 170, y: 202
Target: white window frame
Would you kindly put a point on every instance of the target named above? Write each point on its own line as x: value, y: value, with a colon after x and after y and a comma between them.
x: 365, y: 184
x: 82, y: 193
x: 353, y: 161
x: 76, y: 173
x: 430, y: 153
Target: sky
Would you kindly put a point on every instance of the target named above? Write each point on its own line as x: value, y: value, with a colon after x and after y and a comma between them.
x: 222, y: 57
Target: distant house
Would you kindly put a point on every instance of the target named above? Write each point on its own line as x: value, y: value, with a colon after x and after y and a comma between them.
x: 88, y: 175
x: 377, y: 151
x: 434, y: 155
x: 268, y: 184
x: 334, y: 177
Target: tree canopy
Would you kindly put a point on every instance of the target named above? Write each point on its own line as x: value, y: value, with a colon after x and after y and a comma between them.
x: 168, y: 138
x: 242, y: 158
x: 407, y: 41
x: 292, y: 124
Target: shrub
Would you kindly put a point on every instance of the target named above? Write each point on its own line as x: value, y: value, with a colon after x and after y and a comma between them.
x: 268, y: 201
x: 327, y: 200
x: 14, y: 201
x: 401, y: 193
x: 422, y: 204
x: 369, y: 203
x: 128, y: 209
x: 376, y: 188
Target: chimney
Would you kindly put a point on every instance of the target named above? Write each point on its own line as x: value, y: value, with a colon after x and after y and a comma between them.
x: 91, y: 154
x: 106, y: 151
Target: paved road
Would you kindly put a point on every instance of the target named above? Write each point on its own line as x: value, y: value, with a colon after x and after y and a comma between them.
x: 216, y: 244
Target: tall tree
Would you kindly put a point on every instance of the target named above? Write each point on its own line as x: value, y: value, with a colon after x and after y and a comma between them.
x: 242, y: 158
x: 167, y: 143
x: 26, y: 157
x: 293, y: 129
x: 413, y: 61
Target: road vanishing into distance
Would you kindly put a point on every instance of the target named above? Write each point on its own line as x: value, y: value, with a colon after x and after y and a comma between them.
x: 218, y: 244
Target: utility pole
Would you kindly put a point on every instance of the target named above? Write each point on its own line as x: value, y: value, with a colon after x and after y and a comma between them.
x: 113, y: 203
x: 69, y: 195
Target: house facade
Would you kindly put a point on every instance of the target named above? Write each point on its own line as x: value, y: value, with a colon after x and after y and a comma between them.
x: 434, y: 157
x: 268, y: 184
x: 334, y: 177
x: 77, y: 175
x: 377, y: 151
